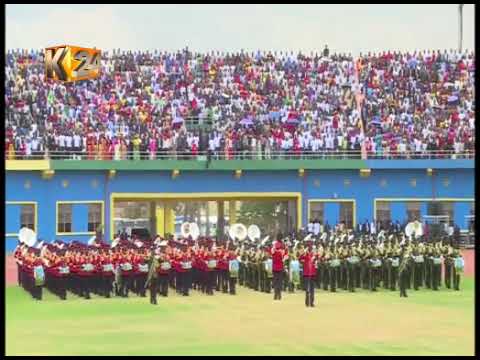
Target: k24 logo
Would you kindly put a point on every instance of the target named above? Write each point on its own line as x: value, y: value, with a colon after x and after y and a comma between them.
x: 72, y: 63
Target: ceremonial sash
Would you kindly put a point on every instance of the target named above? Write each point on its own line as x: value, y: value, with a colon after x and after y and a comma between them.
x: 143, y: 268
x: 87, y: 267
x: 395, y: 262
x: 294, y: 272
x: 233, y: 266
x: 107, y: 267
x: 126, y: 267
x: 269, y: 267
x: 39, y: 275
x: 353, y: 259
x: 165, y: 266
x: 335, y: 262
x: 459, y: 264
x: 212, y: 264
x: 186, y: 265
x: 64, y: 270
x: 419, y: 259
x: 437, y: 260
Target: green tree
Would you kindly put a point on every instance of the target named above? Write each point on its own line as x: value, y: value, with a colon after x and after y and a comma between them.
x: 268, y: 215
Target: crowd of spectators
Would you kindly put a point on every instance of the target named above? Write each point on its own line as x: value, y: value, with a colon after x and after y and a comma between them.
x: 251, y: 105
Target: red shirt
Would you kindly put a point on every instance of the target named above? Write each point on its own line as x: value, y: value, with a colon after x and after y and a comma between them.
x: 308, y: 262
x: 277, y: 260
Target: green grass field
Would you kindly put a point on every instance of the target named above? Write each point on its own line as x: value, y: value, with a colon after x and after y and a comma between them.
x: 364, y: 323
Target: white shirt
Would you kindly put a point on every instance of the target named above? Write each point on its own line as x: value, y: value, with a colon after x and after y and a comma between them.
x: 77, y: 140
x: 310, y: 227
x: 316, y: 228
x: 61, y: 141
x: 68, y: 141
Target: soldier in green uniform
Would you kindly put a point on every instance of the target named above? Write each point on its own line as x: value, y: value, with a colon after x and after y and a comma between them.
x: 404, y: 272
x: 268, y: 274
x: 152, y: 277
x: 352, y: 261
x: 334, y: 264
x: 365, y: 267
x: 428, y: 265
x: 417, y: 267
x: 343, y: 256
x: 394, y: 265
x: 457, y: 268
x: 375, y: 266
x: 448, y: 265
x: 258, y: 267
x: 358, y: 275
x: 385, y: 264
x: 436, y: 266
x: 242, y: 268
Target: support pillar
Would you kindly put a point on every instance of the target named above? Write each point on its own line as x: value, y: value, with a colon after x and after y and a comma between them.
x: 232, y: 209
x: 160, y: 217
x: 169, y: 219
x: 220, y: 217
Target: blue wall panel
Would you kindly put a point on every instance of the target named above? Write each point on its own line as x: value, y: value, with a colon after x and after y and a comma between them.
x: 398, y: 210
x: 12, y: 218
x: 316, y: 184
x: 460, y: 210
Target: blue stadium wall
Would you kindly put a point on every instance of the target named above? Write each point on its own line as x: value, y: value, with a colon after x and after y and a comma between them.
x: 401, y: 180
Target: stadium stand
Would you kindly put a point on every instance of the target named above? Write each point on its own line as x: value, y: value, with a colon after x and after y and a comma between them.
x: 262, y: 105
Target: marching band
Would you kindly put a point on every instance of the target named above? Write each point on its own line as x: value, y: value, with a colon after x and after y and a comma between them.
x: 335, y: 260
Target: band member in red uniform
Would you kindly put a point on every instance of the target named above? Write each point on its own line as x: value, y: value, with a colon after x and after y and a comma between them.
x: 278, y: 256
x: 127, y: 273
x: 308, y: 260
x: 140, y: 268
x: 85, y: 274
x: 17, y: 256
x: 211, y: 263
x: 107, y: 272
x: 163, y: 273
x: 187, y: 274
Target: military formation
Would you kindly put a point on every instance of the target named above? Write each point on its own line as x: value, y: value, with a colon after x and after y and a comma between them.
x: 388, y: 261
x: 335, y: 261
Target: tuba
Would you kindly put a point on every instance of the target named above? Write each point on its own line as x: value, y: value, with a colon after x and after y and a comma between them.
x: 27, y: 236
x: 238, y: 231
x: 190, y: 229
x: 414, y: 229
x: 253, y: 232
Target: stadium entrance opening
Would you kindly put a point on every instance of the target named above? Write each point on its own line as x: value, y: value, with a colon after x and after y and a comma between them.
x: 151, y: 214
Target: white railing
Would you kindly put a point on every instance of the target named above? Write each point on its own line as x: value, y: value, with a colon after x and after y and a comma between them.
x: 236, y: 155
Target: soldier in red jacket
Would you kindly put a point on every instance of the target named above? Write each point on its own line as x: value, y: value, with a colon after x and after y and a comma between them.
x: 279, y: 254
x: 308, y: 260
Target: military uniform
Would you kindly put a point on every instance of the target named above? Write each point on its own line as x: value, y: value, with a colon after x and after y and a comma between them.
x: 152, y: 283
x: 436, y: 268
x: 448, y: 266
x: 456, y: 271
x: 404, y: 273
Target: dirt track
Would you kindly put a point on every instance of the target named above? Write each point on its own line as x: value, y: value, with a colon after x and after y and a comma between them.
x: 11, y: 267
